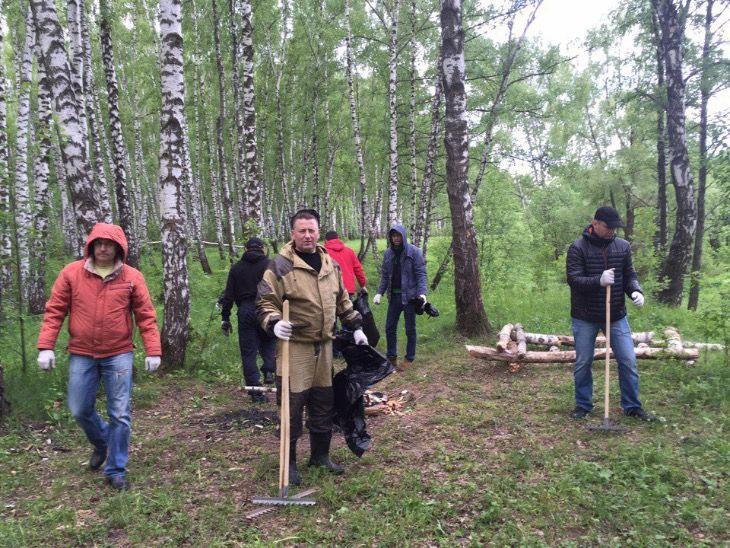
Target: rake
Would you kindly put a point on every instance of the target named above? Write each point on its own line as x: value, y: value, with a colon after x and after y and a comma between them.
x: 284, y: 499
x: 607, y: 426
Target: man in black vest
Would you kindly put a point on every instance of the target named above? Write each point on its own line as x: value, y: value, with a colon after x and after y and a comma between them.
x: 241, y: 289
x: 596, y: 260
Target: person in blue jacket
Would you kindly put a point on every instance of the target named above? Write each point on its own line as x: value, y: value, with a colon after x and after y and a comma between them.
x: 403, y: 276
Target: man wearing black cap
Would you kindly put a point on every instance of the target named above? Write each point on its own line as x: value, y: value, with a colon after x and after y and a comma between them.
x: 241, y: 289
x: 596, y: 260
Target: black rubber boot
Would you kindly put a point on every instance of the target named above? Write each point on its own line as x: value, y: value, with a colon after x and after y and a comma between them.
x: 321, y: 452
x: 293, y: 472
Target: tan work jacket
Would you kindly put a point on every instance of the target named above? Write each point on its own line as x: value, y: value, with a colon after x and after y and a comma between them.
x: 314, y: 299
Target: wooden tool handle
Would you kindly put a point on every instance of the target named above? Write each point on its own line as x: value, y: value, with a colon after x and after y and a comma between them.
x: 608, y: 349
x: 284, y: 442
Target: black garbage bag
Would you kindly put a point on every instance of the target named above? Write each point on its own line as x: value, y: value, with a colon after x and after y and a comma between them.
x: 365, y: 367
x: 360, y: 303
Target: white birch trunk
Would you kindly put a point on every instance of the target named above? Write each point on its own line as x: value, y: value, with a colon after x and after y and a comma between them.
x: 119, y: 149
x: 412, y: 124
x: 69, y: 112
x: 22, y: 207
x: 355, y: 117
x: 255, y: 186
x: 174, y: 245
x: 393, y: 217
x: 219, y: 127
x: 5, y: 242
x: 41, y: 171
x: 471, y: 318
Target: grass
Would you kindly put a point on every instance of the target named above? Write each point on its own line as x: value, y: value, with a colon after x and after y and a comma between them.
x: 480, y: 456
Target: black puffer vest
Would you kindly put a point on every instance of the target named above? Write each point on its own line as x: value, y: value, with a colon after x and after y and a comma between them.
x: 587, y: 258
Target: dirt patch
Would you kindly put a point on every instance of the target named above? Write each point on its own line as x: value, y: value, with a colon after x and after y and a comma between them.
x: 242, y: 418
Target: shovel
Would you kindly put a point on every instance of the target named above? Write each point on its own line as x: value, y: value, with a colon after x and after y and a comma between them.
x: 284, y: 498
x: 607, y: 426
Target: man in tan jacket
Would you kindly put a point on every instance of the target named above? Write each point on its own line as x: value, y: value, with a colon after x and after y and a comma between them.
x: 305, y: 274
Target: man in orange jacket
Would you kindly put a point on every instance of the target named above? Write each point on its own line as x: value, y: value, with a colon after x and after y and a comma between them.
x: 348, y: 261
x: 100, y: 293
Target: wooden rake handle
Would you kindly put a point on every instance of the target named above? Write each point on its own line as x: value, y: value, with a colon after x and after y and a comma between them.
x: 284, y: 442
x: 608, y: 350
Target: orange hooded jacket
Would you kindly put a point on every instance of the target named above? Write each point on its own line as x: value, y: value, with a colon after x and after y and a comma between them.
x: 100, y: 311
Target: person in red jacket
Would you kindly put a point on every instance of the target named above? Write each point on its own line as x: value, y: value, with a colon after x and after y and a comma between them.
x: 100, y: 294
x: 348, y: 261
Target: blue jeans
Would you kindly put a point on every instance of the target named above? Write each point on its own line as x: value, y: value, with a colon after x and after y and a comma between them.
x: 395, y: 307
x: 83, y: 383
x: 623, y: 352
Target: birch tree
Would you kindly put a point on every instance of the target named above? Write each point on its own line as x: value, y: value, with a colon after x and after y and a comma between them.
x: 41, y: 170
x: 355, y: 117
x: 220, y: 146
x: 471, y: 318
x: 68, y: 110
x: 119, y: 149
x: 174, y: 246
x: 679, y: 255
x: 22, y: 207
x: 393, y: 117
x: 254, y: 193
x: 5, y: 243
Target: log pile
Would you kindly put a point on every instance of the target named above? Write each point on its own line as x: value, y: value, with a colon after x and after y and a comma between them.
x: 512, y: 341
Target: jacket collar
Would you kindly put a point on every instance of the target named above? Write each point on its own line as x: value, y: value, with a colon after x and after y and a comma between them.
x: 288, y: 252
x: 89, y: 267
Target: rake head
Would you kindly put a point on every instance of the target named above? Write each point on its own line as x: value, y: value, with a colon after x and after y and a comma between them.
x: 283, y: 501
x: 607, y: 427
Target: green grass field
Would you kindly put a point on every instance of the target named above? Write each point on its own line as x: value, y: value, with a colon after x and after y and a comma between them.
x: 477, y: 454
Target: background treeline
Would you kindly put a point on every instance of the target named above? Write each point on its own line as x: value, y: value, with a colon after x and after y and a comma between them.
x: 218, y: 129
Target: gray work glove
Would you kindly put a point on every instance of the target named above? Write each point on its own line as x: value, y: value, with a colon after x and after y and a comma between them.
x: 360, y: 337
x: 226, y: 328
x: 607, y: 277
x: 376, y: 299
x: 283, y: 330
x: 151, y: 363
x: 637, y: 298
x: 46, y: 360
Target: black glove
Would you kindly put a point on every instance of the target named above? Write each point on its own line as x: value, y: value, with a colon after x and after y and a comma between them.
x: 226, y: 328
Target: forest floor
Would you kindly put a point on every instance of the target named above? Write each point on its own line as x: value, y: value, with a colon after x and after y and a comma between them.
x: 479, y: 455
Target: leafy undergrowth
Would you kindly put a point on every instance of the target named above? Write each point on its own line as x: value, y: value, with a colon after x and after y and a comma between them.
x: 480, y: 455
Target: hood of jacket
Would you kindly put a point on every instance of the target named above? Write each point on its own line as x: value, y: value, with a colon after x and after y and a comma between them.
x: 110, y: 232
x: 596, y: 240
x: 400, y: 229
x: 334, y: 245
x: 253, y: 256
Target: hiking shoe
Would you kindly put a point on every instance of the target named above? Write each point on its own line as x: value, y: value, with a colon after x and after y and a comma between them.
x: 258, y: 397
x: 268, y: 377
x: 97, y: 458
x: 119, y: 483
x: 402, y: 366
x: 639, y: 413
x: 579, y: 413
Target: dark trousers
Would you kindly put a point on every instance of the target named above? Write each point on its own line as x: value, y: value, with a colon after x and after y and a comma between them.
x: 252, y: 340
x: 395, y: 307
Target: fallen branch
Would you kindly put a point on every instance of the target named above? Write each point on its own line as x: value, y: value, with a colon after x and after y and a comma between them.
x: 566, y: 340
x: 567, y: 356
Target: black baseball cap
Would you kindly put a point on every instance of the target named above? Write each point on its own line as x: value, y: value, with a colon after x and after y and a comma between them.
x: 610, y: 216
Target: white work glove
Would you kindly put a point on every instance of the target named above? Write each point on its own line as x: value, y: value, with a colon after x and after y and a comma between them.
x: 46, y: 360
x: 151, y: 363
x: 607, y: 277
x: 423, y: 298
x: 376, y: 299
x: 360, y: 337
x: 283, y: 330
x: 638, y: 298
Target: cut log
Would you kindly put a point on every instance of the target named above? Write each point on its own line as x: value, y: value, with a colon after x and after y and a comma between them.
x: 521, y: 340
x: 504, y: 337
x: 674, y: 339
x: 566, y: 340
x: 703, y: 346
x: 567, y: 356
